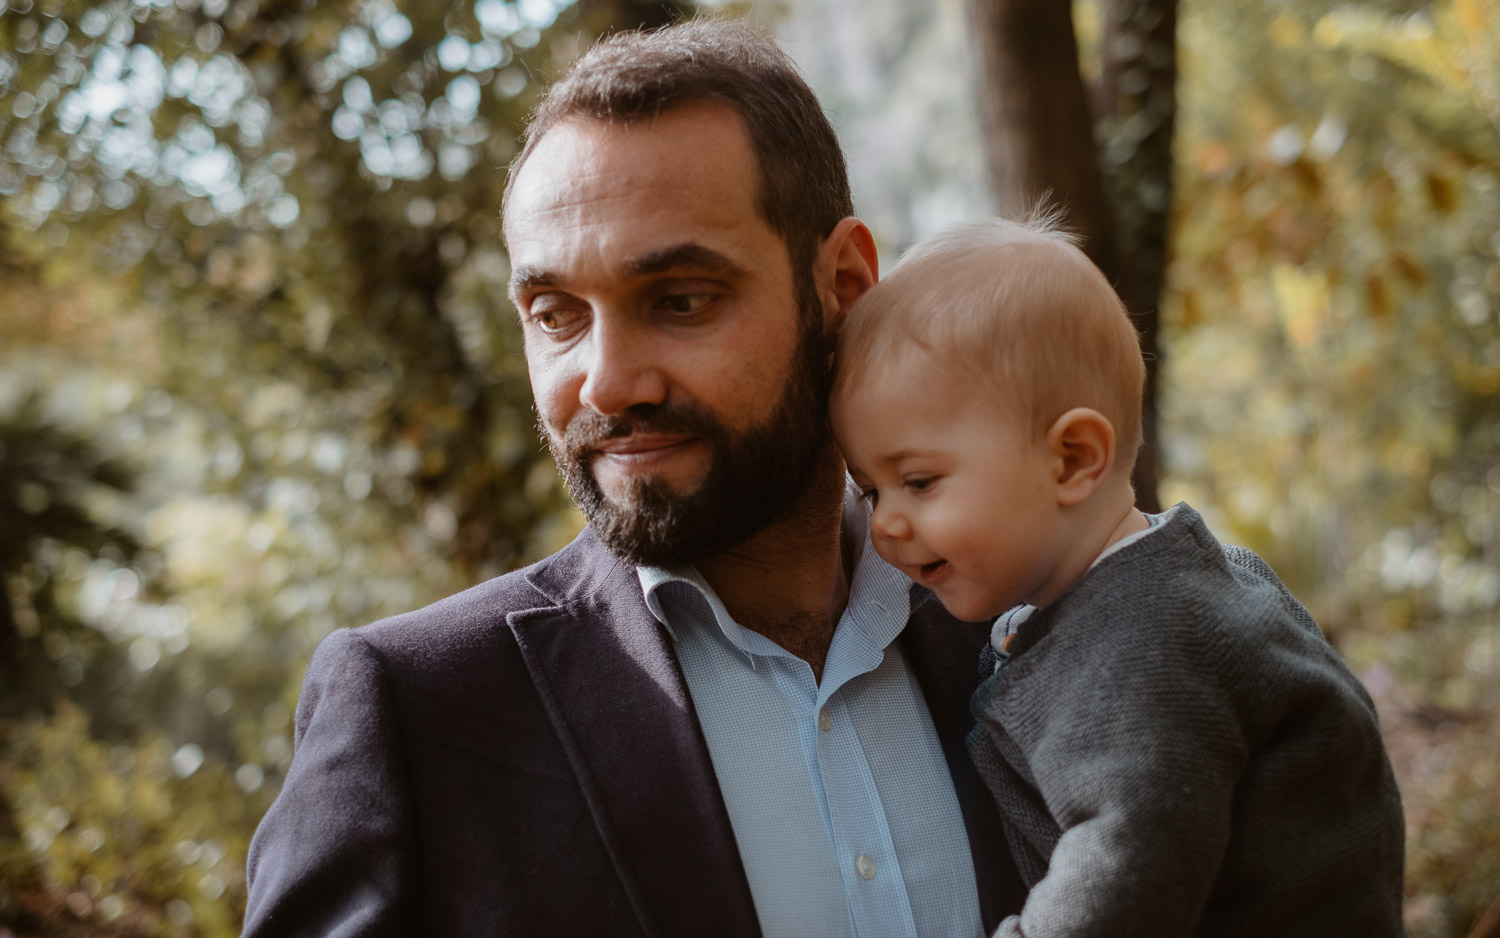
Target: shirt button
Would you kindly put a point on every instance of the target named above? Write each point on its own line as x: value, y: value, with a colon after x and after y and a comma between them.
x: 825, y: 722
x: 864, y: 866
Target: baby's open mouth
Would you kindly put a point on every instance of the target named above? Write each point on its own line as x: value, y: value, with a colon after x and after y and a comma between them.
x: 928, y: 569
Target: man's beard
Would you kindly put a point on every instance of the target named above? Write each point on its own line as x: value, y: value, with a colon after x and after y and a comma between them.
x: 752, y: 477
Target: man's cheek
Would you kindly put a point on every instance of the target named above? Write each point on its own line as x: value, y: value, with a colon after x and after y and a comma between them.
x: 553, y: 420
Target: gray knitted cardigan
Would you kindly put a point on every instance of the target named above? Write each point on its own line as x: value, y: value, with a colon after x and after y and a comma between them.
x: 1177, y: 751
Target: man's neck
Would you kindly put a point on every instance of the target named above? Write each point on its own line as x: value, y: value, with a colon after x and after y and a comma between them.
x: 790, y: 580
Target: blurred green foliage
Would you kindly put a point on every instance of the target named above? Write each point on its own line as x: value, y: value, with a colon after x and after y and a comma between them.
x: 153, y: 835
x: 259, y: 380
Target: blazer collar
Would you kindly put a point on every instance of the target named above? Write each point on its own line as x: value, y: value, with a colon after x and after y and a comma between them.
x: 619, y: 704
x: 618, y: 701
x: 583, y: 569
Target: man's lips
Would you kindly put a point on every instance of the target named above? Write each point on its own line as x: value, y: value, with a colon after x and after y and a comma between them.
x: 643, y: 447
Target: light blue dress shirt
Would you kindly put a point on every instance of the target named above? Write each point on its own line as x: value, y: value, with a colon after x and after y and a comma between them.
x: 840, y: 799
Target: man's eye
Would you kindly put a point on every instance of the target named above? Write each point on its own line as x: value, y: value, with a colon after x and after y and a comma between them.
x: 682, y: 304
x: 555, y: 321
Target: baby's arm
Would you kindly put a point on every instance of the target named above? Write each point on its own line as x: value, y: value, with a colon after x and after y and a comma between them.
x: 1137, y: 761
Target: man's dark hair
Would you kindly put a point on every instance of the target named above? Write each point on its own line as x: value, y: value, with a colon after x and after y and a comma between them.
x: 804, y: 185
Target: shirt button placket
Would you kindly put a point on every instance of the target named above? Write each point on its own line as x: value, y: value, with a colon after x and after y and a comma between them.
x: 864, y: 866
x: 825, y: 721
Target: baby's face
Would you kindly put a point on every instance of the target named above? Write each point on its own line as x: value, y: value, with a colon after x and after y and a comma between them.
x: 962, y: 493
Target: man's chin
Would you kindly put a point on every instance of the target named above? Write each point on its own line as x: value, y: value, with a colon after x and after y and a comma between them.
x: 649, y: 531
x: 627, y: 493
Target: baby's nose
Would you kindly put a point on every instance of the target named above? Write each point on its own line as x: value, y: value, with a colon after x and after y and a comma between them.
x: 889, y: 524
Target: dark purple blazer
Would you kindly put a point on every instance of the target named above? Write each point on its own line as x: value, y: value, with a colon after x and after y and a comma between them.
x: 524, y: 758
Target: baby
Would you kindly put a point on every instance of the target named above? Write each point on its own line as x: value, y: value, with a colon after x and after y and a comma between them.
x: 1174, y: 748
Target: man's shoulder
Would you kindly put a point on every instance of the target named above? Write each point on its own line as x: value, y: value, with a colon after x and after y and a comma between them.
x: 453, y: 626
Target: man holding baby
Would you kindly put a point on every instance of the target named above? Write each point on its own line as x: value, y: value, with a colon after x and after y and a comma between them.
x: 737, y: 704
x: 717, y: 711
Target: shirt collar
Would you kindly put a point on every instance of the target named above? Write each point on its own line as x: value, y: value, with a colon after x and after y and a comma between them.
x: 1011, y: 620
x: 878, y: 606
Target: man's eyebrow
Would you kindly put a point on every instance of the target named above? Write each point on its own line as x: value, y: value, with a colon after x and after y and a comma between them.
x: 688, y: 254
x: 524, y: 279
x: 527, y: 278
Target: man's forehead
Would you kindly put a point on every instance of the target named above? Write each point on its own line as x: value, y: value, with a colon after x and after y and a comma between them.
x: 595, y: 196
x: 583, y: 158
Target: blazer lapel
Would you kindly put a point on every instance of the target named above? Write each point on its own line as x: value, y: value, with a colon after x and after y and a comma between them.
x: 944, y: 654
x: 620, y: 706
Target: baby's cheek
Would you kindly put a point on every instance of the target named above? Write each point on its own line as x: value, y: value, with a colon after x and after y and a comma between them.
x: 840, y: 432
x: 886, y: 550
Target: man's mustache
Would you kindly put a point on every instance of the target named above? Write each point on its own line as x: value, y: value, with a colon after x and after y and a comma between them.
x: 589, y: 429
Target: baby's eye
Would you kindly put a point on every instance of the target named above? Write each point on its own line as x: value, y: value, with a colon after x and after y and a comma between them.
x: 920, y: 483
x: 870, y: 495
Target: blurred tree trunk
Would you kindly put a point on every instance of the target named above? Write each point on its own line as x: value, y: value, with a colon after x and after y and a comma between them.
x: 1105, y: 156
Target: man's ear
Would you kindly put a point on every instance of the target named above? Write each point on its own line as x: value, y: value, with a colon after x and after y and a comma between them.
x: 846, y: 266
x: 1082, y: 445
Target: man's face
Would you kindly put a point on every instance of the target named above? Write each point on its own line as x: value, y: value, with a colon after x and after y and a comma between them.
x: 677, y: 363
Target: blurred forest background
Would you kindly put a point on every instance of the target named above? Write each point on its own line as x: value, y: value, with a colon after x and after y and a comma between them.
x: 259, y: 379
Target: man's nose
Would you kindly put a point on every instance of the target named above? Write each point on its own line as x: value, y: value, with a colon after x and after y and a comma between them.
x: 623, y: 370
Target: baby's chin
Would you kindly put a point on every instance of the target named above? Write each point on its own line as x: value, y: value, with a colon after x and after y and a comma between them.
x: 968, y: 611
x: 967, y: 615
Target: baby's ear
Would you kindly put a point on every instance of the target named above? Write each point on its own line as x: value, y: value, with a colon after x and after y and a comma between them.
x: 1082, y: 445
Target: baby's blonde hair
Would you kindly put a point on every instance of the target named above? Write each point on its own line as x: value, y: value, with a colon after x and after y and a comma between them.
x: 1016, y: 305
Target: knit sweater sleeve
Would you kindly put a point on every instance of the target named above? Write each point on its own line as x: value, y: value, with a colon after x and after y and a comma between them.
x: 1125, y: 709
x: 1137, y: 756
x: 1175, y: 748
